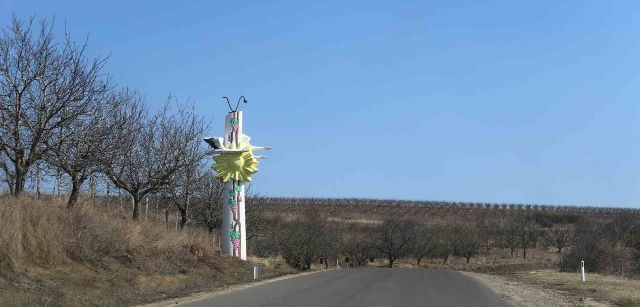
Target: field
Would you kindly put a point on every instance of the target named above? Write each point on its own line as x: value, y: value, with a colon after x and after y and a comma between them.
x: 362, y: 217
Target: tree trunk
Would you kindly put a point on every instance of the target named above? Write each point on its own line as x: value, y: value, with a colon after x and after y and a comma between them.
x: 76, y: 183
x: 38, y: 180
x: 183, y: 217
x: 136, y: 207
x: 524, y: 252
x: 10, y: 183
x: 73, y: 197
x: 58, y: 176
x: 391, y: 260
x: 419, y: 258
x: 468, y: 257
x: 19, y: 182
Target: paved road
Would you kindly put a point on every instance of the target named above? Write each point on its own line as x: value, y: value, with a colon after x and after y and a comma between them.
x: 364, y: 287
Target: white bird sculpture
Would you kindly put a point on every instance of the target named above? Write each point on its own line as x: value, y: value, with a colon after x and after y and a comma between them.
x: 215, y: 142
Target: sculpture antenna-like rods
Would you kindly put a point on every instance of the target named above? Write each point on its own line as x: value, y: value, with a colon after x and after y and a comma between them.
x: 237, y: 104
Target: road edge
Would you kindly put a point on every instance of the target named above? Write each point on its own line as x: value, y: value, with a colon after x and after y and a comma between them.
x: 522, y: 294
x: 224, y: 290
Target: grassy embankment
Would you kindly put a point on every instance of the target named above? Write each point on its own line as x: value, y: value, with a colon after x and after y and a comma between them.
x: 50, y: 256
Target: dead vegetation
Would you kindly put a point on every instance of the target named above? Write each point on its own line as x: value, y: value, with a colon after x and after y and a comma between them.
x: 612, y: 289
x: 56, y: 257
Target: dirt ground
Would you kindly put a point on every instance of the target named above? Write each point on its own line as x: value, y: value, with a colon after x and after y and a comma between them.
x: 549, y: 288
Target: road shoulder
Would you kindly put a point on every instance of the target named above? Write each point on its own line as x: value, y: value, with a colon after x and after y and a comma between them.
x: 523, y: 294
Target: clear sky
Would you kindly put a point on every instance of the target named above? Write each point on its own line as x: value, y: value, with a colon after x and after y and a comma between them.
x: 491, y: 101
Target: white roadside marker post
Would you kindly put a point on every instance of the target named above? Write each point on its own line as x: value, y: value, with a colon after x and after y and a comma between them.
x: 256, y: 272
x: 582, y: 270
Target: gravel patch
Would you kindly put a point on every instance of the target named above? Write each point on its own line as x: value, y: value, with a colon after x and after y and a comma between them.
x: 527, y: 295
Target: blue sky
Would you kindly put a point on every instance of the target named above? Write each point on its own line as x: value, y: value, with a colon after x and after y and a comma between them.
x: 492, y: 101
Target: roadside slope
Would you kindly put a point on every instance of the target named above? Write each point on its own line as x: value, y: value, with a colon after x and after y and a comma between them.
x: 55, y: 257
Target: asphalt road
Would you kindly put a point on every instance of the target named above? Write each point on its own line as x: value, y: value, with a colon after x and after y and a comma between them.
x: 363, y: 287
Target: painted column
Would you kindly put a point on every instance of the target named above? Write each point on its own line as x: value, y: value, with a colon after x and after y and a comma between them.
x: 233, y: 221
x: 234, y: 165
x: 234, y: 229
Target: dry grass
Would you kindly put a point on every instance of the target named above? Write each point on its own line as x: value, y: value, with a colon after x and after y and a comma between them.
x: 56, y: 257
x: 617, y: 290
x: 501, y: 261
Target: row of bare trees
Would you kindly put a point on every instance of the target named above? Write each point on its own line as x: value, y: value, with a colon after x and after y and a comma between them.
x: 608, y: 245
x: 401, y: 239
x: 439, y: 206
x: 311, y: 237
x: 58, y: 108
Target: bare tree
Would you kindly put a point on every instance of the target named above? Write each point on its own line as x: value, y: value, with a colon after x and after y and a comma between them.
x: 467, y: 241
x: 357, y: 248
x: 207, y: 207
x: 634, y: 243
x: 184, y: 181
x: 304, y: 241
x: 79, y: 149
x: 510, y: 236
x: 152, y: 154
x: 256, y: 222
x: 181, y: 188
x: 444, y: 243
x: 527, y: 233
x: 44, y: 87
x: 559, y: 236
x: 394, y: 238
x: 423, y: 243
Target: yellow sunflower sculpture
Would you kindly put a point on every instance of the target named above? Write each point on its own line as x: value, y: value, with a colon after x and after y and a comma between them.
x: 237, y: 166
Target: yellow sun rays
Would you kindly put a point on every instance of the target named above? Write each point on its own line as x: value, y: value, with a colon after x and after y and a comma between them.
x: 235, y: 166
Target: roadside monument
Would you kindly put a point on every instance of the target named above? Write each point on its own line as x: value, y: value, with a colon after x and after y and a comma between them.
x: 234, y: 165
